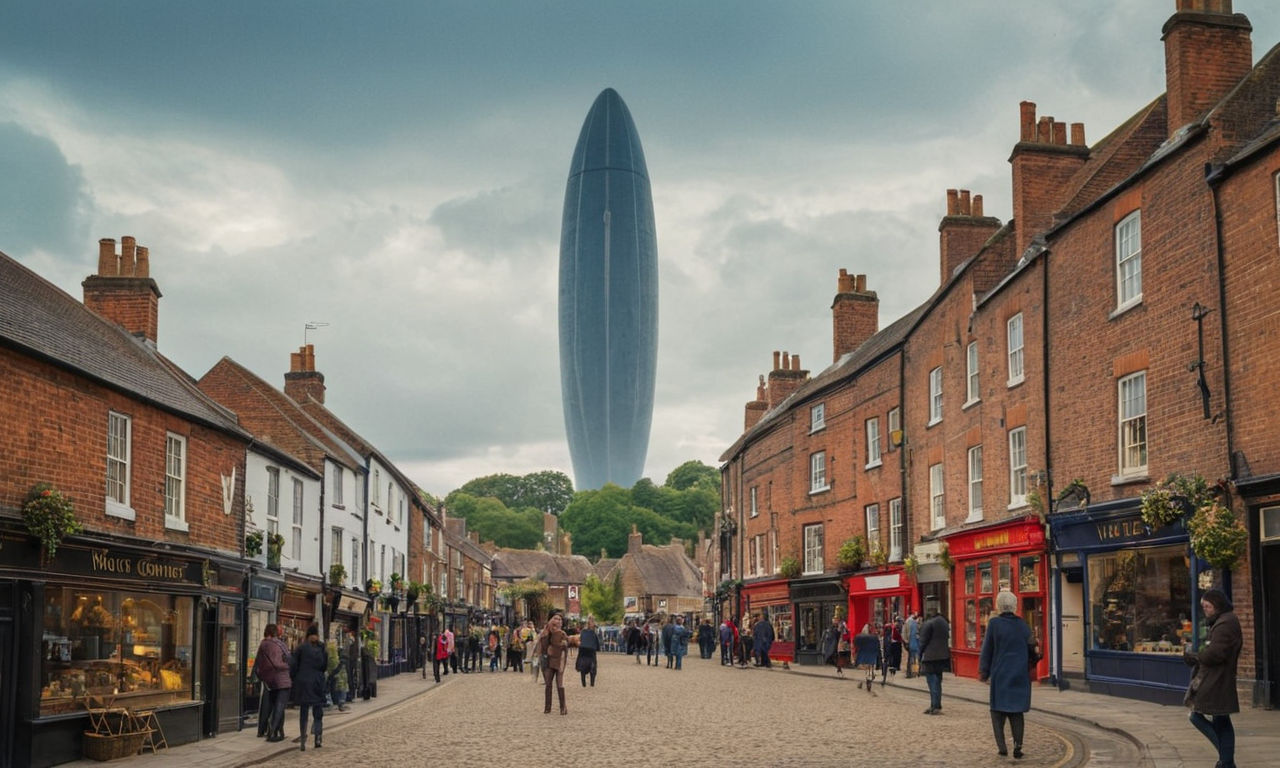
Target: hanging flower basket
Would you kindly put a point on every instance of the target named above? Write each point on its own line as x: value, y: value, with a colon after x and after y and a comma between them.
x: 1173, y: 499
x: 852, y: 552
x: 911, y: 566
x: 50, y: 517
x: 253, y: 543
x: 1217, y: 536
x: 789, y: 567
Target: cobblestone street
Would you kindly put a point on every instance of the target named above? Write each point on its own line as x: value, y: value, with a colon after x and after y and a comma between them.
x: 704, y: 714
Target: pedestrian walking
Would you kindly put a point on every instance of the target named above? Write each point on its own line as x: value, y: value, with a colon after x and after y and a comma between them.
x: 338, y: 684
x: 706, y: 639
x: 424, y: 653
x: 588, y: 647
x: 935, y: 657
x: 452, y: 643
x: 472, y: 659
x: 515, y: 648
x: 494, y: 648
x: 867, y: 656
x: 440, y: 659
x: 911, y: 632
x: 727, y: 636
x: 1008, y: 651
x: 310, y: 671
x: 554, y: 644
x: 1212, y: 694
x: 763, y: 634
x: 530, y: 638
x: 680, y: 635
x: 832, y: 638
x: 667, y: 633
x: 653, y: 642
x: 271, y: 665
x: 746, y: 643
x: 895, y: 645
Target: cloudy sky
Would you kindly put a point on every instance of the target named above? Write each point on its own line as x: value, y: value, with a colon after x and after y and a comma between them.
x: 397, y: 170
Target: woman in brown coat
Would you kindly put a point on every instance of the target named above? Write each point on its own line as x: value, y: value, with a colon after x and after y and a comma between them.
x: 554, y: 643
x: 1212, y: 694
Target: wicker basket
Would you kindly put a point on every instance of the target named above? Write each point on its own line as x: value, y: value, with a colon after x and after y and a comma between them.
x: 113, y: 747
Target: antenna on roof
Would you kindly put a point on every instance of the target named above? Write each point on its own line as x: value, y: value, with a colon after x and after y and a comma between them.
x: 311, y: 325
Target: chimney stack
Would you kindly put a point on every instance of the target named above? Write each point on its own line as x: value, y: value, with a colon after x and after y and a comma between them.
x: 755, y: 408
x: 122, y: 291
x: 1043, y: 160
x: 963, y: 231
x: 784, y: 379
x: 855, y: 314
x: 1207, y: 51
x: 303, y: 381
x: 634, y: 541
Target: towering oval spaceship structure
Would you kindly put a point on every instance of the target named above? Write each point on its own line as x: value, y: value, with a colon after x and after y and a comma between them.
x: 608, y: 299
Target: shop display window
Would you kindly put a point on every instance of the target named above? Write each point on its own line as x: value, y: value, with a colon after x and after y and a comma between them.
x: 814, y: 618
x: 1140, y: 599
x: 983, y: 579
x: 134, y: 647
x: 780, y: 618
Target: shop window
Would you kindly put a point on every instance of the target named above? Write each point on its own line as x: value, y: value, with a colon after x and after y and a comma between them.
x: 1140, y: 599
x: 135, y: 646
x: 780, y: 618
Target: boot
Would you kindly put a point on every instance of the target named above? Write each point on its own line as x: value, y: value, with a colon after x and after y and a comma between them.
x: 318, y: 741
x: 546, y: 709
x: 560, y: 693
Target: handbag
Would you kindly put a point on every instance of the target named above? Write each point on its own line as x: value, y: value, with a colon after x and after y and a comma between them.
x: 1189, y: 698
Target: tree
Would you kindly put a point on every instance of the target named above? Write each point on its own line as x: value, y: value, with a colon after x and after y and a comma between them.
x: 503, y: 487
x: 598, y: 520
x: 548, y: 491
x: 489, y: 517
x: 694, y: 474
x: 603, y: 599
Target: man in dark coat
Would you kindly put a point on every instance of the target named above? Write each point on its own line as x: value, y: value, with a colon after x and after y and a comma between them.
x: 310, y: 667
x: 1008, y: 651
x: 1213, y: 681
x: 763, y: 634
x: 706, y: 639
x: 668, y: 629
x: 726, y: 642
x: 935, y: 657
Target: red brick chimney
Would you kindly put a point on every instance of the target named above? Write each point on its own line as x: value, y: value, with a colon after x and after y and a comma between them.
x: 303, y: 381
x: 1043, y: 162
x: 756, y: 408
x: 855, y: 314
x: 785, y: 378
x: 963, y: 231
x: 122, y: 291
x: 1207, y: 51
x: 635, y: 540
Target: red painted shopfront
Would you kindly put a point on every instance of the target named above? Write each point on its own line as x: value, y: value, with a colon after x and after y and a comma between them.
x: 877, y: 598
x: 1009, y: 555
x: 773, y: 599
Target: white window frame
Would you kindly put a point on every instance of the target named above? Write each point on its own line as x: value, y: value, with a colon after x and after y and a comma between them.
x: 337, y: 486
x: 896, y: 529
x: 873, y: 442
x: 376, y: 501
x: 818, y: 472
x: 894, y: 423
x: 1128, y: 241
x: 1017, y: 467
x: 817, y: 418
x: 1129, y: 401
x: 935, y: 396
x: 401, y: 506
x: 336, y: 537
x: 937, y: 498
x: 813, y: 552
x: 273, y: 500
x: 119, y: 502
x: 175, y: 482
x: 295, y: 542
x: 355, y: 560
x: 871, y: 513
x: 1015, y: 339
x: 973, y: 387
x: 975, y: 483
x: 759, y: 554
x: 755, y: 510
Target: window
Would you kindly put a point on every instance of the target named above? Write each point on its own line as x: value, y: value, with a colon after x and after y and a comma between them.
x: 817, y: 417
x: 355, y: 559
x: 818, y: 472
x: 757, y: 555
x: 273, y: 500
x: 1133, y: 424
x: 337, y: 486
x: 175, y: 481
x: 873, y: 442
x: 972, y: 391
x: 1017, y: 467
x: 1015, y: 349
x: 335, y: 546
x: 118, y: 456
x: 975, y: 483
x: 377, y: 483
x: 297, y: 520
x: 1140, y: 599
x: 895, y: 428
x: 382, y: 563
x: 935, y: 395
x: 813, y: 549
x: 1129, y: 260
x: 873, y: 527
x: 754, y: 509
x: 938, y: 515
x: 896, y: 529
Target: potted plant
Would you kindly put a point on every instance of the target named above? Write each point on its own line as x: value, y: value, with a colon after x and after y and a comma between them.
x: 337, y: 574
x: 1217, y: 535
x: 944, y: 558
x: 789, y: 567
x: 253, y: 543
x: 878, y: 556
x: 50, y: 517
x: 373, y: 587
x: 911, y: 565
x: 397, y: 582
x: 275, y: 546
x: 1174, y: 498
x: 852, y: 552
x: 1077, y: 492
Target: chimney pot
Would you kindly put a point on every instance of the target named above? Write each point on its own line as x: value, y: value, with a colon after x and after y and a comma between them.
x: 1027, y: 120
x: 776, y: 357
x: 964, y: 202
x: 143, y: 268
x: 953, y: 202
x: 845, y: 283
x: 128, y: 248
x: 1059, y: 133
x: 786, y: 360
x: 1044, y: 130
x: 108, y: 264
x: 1077, y: 134
x: 795, y: 362
x: 977, y: 206
x: 861, y: 283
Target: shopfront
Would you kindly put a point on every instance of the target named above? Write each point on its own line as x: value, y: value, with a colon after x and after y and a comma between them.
x: 299, y: 608
x: 263, y: 601
x: 816, y: 600
x: 108, y: 623
x: 879, y: 598
x: 773, y: 599
x: 1137, y: 593
x: 1010, y: 555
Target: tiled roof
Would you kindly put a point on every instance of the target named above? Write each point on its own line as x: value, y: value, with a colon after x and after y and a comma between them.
x: 529, y: 563
x: 40, y: 319
x: 664, y: 570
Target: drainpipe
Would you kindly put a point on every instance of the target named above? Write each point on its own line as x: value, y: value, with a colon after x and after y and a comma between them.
x: 902, y: 469
x: 1051, y: 554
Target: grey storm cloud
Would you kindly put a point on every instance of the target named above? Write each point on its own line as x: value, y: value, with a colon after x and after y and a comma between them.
x: 43, y: 199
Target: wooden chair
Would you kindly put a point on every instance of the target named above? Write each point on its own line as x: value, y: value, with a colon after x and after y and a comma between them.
x: 145, y: 720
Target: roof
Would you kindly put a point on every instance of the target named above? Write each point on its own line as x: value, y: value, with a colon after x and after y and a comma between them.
x: 531, y: 563
x: 664, y: 570
x: 40, y: 319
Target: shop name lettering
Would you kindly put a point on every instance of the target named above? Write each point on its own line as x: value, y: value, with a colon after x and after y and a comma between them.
x: 990, y: 540
x: 145, y: 568
x: 1121, y: 529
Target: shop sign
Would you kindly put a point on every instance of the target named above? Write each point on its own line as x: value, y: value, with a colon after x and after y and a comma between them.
x: 1115, y: 532
x: 121, y: 565
x: 1024, y: 536
x: 769, y: 594
x: 352, y: 604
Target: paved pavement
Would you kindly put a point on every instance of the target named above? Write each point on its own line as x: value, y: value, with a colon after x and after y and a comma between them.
x: 730, y: 716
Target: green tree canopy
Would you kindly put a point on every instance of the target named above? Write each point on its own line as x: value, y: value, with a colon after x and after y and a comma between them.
x: 546, y: 491
x: 694, y: 474
x: 489, y: 517
x: 603, y: 599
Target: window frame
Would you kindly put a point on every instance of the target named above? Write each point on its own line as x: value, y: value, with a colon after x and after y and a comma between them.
x: 337, y: 537
x: 273, y: 500
x: 337, y: 487
x: 872, y: 429
x: 818, y: 481
x: 814, y: 560
x: 937, y: 497
x: 817, y: 418
x: 935, y: 396
x: 1125, y: 469
x: 897, y: 529
x: 973, y: 385
x: 1016, y: 356
x: 871, y: 517
x: 1128, y: 231
x: 121, y: 506
x: 295, y: 543
x: 974, y: 463
x: 755, y: 509
x: 175, y: 521
x: 1017, y: 472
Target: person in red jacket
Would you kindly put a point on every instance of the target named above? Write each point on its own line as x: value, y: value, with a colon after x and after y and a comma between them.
x: 271, y: 665
x: 440, y: 659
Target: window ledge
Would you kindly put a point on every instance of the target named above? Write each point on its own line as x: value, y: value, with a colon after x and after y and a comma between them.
x: 1123, y: 308
x: 1018, y: 504
x: 823, y: 489
x: 933, y: 422
x: 175, y: 524
x: 969, y: 403
x: 1011, y: 383
x: 339, y: 506
x: 121, y: 511
x: 874, y: 464
x: 817, y: 428
x: 1130, y: 479
x: 974, y: 517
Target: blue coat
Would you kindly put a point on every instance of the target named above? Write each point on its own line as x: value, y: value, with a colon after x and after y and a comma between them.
x: 1005, y: 661
x: 679, y: 640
